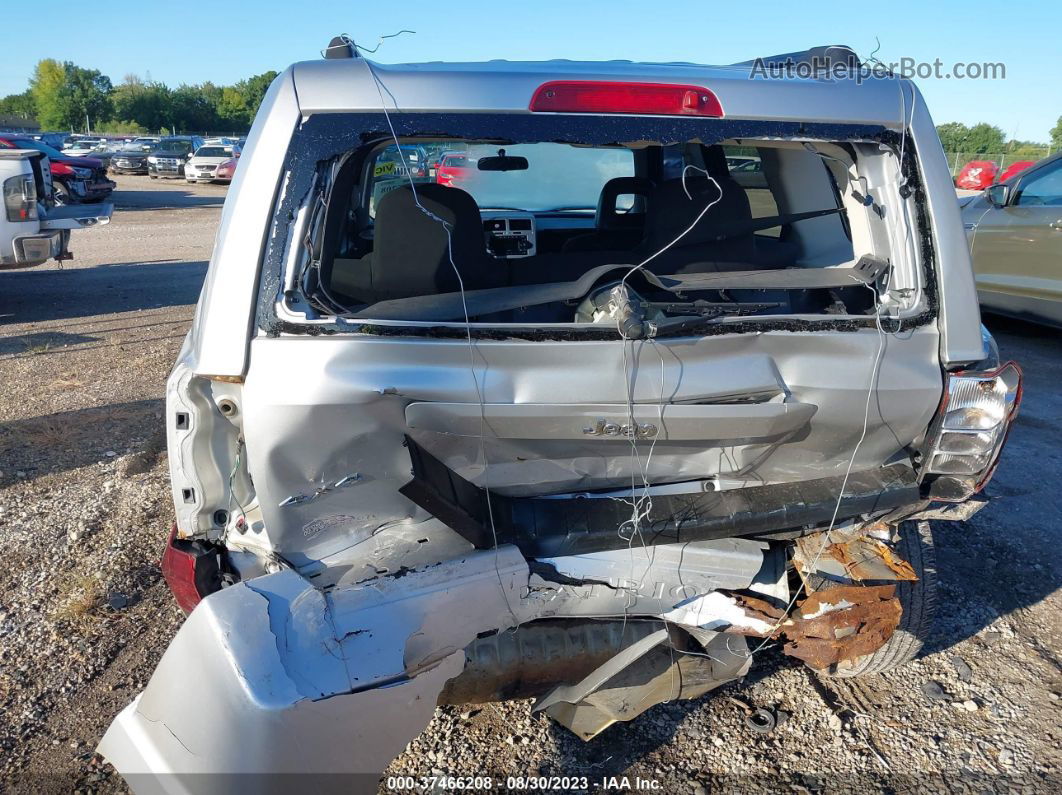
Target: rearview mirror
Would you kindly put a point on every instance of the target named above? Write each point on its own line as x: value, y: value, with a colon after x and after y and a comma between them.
x: 997, y: 195
x: 502, y: 162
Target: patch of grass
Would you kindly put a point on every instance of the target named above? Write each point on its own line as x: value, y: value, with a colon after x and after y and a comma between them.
x: 46, y: 433
x: 64, y: 383
x: 78, y: 598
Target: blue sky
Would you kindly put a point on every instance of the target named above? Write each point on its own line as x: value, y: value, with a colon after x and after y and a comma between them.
x: 148, y: 37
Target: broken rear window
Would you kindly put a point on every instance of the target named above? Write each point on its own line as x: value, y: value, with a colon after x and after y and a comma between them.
x: 640, y: 235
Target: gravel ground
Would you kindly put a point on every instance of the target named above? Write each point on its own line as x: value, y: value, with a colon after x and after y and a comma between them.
x: 84, y: 615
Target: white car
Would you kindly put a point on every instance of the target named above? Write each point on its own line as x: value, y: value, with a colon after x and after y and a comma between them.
x: 204, y: 163
x: 83, y: 146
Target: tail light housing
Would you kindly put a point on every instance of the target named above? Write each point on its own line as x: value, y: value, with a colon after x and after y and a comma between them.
x: 192, y: 570
x: 20, y: 198
x: 968, y: 433
x: 595, y: 96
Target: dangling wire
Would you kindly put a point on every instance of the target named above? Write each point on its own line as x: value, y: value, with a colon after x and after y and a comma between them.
x: 468, y: 332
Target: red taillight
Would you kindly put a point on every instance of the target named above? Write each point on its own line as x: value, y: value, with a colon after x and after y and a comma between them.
x: 657, y: 99
x: 191, y: 570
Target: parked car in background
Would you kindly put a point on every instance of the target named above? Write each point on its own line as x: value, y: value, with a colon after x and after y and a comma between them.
x: 53, y: 139
x: 454, y: 168
x: 75, y: 179
x: 132, y: 157
x: 1015, y: 233
x: 82, y: 146
x: 33, y: 229
x: 747, y: 171
x: 168, y: 158
x: 203, y: 165
x: 1014, y: 169
x: 977, y: 175
x: 226, y: 170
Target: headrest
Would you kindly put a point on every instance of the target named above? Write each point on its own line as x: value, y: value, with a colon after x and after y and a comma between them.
x: 607, y: 216
x: 671, y: 210
x: 410, y: 248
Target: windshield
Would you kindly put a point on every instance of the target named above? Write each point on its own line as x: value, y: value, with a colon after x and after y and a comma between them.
x: 213, y: 151
x: 557, y: 177
x: 174, y: 146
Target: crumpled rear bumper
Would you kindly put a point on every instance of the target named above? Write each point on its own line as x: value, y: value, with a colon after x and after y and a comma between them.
x: 270, y: 681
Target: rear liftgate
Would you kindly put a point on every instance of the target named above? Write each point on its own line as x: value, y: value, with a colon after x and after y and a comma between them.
x: 411, y: 575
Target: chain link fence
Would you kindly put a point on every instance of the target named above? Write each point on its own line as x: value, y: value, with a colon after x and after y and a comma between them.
x: 956, y: 160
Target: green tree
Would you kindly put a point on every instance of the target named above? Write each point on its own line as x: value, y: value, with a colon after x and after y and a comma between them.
x: 953, y: 136
x: 145, y: 104
x: 232, y: 107
x: 46, y: 87
x: 191, y: 109
x: 20, y: 105
x: 985, y: 139
x: 1056, y: 135
x: 84, y: 97
x: 255, y: 90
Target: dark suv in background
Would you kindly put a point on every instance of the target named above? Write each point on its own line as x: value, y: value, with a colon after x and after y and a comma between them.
x: 168, y: 158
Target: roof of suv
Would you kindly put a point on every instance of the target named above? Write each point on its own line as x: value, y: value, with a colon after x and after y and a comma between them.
x: 507, y: 86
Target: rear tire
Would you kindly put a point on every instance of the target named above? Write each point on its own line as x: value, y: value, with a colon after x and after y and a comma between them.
x: 918, y: 600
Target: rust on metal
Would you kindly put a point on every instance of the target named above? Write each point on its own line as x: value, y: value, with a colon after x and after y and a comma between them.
x: 838, y: 624
x: 859, y: 559
x: 842, y: 624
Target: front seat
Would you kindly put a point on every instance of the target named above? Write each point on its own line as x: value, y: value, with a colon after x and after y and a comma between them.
x: 675, y: 205
x: 615, y: 230
x: 411, y: 256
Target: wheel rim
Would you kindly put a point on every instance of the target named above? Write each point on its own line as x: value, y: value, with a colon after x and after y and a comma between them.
x: 61, y: 193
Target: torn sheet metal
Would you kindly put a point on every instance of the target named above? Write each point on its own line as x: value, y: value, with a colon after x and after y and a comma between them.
x: 842, y: 624
x: 859, y: 559
x: 720, y: 611
x: 839, y: 624
x: 682, y: 570
x: 666, y: 665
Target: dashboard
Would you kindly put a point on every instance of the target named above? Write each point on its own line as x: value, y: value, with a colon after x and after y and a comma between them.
x: 510, y: 235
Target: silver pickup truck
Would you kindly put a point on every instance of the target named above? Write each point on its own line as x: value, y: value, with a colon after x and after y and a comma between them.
x: 32, y: 229
x: 589, y: 420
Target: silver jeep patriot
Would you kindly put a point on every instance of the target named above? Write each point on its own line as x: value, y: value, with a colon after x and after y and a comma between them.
x: 575, y: 381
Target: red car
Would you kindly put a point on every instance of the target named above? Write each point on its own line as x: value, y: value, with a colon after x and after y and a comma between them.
x: 453, y: 169
x: 977, y: 175
x: 75, y: 179
x: 1015, y: 168
x: 226, y: 170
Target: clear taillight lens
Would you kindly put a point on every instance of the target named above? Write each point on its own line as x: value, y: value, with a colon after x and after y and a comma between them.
x: 20, y: 199
x: 966, y: 438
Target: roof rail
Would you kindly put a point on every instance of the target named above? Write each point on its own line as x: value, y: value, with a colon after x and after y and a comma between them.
x: 818, y: 57
x: 340, y: 47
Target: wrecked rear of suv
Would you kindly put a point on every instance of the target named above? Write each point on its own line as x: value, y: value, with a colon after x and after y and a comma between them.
x: 590, y: 420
